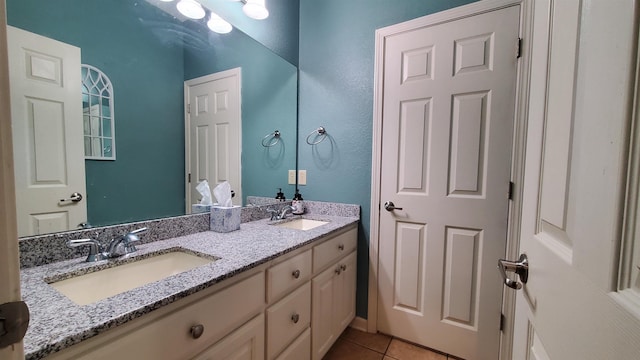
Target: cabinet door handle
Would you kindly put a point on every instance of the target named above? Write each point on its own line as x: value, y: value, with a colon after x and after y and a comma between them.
x: 341, y: 247
x: 295, y: 318
x: 338, y: 270
x: 343, y: 267
x: 296, y: 274
x: 197, y: 330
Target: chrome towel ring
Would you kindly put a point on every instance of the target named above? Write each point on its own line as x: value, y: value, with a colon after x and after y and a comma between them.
x: 319, y: 133
x: 271, y: 139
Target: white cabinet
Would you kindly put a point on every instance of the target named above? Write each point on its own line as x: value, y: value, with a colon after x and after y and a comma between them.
x: 180, y: 330
x: 292, y: 309
x: 300, y: 349
x: 333, y: 295
x: 287, y: 319
x: 246, y: 343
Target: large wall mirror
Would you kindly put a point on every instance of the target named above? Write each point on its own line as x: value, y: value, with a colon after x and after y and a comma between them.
x: 148, y: 55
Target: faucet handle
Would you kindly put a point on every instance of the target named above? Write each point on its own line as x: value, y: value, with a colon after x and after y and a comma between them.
x: 140, y: 231
x: 273, y: 212
x: 95, y: 249
x: 130, y: 238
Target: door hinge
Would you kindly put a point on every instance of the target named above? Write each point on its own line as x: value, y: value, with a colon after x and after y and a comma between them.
x: 189, y: 178
x: 511, y: 185
x: 503, y: 320
x: 519, y: 48
x: 188, y: 108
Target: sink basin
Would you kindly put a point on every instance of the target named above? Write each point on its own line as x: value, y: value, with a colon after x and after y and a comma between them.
x: 89, y: 288
x: 302, y: 224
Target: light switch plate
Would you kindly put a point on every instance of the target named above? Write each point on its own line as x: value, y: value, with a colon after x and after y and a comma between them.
x: 302, y: 177
x: 292, y: 177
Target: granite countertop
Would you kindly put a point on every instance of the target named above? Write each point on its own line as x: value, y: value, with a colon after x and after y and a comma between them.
x: 57, y: 322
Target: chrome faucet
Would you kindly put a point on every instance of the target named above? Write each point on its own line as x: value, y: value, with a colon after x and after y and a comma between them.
x: 279, y: 215
x: 288, y: 209
x: 125, y: 244
x: 116, y: 248
x: 95, y: 249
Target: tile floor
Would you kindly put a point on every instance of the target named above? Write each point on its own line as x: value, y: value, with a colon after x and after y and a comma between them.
x: 357, y: 345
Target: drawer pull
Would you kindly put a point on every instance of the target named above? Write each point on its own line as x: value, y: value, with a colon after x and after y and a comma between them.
x: 295, y: 318
x: 296, y: 274
x: 341, y: 247
x: 338, y: 270
x: 197, y: 330
x: 343, y: 267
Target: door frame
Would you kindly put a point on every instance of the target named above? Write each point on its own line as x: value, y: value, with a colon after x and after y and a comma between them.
x: 9, y: 255
x: 517, y: 151
x: 237, y: 72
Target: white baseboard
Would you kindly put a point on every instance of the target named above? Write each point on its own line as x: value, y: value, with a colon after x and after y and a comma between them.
x: 359, y: 323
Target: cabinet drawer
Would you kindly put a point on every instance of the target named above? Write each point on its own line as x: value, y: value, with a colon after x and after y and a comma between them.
x: 287, y: 318
x: 300, y: 349
x: 332, y: 249
x: 288, y: 275
x: 170, y: 336
x: 245, y: 343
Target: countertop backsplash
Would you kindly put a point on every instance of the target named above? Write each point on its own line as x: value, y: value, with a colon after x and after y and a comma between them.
x: 46, y: 249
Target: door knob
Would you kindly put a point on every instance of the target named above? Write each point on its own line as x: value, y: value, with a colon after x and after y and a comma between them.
x: 520, y: 267
x: 390, y: 206
x: 75, y: 197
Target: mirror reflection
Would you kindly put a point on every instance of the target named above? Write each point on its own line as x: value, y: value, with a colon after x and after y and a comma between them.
x: 134, y: 157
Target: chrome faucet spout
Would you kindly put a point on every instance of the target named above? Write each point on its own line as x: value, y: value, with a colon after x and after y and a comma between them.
x: 125, y: 244
x: 286, y: 210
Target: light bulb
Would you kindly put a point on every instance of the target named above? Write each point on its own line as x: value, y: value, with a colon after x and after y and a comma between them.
x: 218, y: 25
x: 191, y: 9
x: 255, y: 9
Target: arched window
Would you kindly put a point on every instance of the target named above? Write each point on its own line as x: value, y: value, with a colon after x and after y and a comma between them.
x: 97, y: 111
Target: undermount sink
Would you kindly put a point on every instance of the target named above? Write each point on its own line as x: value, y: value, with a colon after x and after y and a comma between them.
x: 89, y: 288
x: 302, y: 224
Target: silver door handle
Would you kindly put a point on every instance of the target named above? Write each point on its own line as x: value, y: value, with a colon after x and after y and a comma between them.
x: 390, y: 206
x: 520, y: 267
x: 75, y: 197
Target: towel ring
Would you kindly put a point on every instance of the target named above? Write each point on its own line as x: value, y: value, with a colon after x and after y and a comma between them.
x: 271, y: 139
x: 319, y: 132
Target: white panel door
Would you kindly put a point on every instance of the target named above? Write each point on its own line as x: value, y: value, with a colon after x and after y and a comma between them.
x: 576, y: 303
x: 46, y: 115
x: 214, y: 140
x: 447, y: 122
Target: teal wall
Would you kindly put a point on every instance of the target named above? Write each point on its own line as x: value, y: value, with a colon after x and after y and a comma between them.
x: 269, y: 93
x: 148, y: 174
x: 336, y: 61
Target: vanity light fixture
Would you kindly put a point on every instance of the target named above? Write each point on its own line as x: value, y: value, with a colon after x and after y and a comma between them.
x: 218, y: 24
x: 191, y: 9
x: 255, y: 9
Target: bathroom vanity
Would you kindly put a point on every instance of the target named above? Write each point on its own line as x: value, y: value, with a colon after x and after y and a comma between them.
x: 270, y: 292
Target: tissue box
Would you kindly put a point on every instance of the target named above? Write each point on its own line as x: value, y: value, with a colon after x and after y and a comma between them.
x: 199, y: 208
x: 225, y: 219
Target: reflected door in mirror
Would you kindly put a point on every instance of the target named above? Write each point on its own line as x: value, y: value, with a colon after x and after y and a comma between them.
x: 213, y: 132
x: 47, y: 133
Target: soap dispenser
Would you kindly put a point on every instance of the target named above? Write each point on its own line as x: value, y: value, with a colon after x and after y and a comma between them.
x: 280, y: 195
x: 297, y: 204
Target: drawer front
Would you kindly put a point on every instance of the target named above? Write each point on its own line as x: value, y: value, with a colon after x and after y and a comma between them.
x: 171, y: 337
x: 300, y: 349
x: 287, y: 318
x: 288, y: 275
x: 245, y: 343
x: 331, y: 250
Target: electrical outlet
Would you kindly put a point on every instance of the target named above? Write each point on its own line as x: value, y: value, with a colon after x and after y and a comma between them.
x: 292, y: 177
x: 302, y: 177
